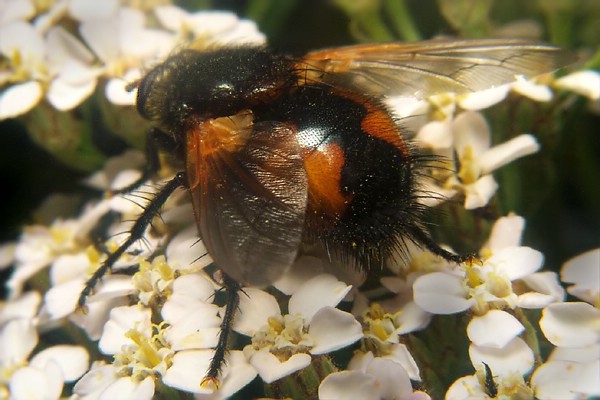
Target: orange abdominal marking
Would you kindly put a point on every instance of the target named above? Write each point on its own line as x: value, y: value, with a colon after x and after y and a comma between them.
x: 323, y: 169
x: 379, y: 124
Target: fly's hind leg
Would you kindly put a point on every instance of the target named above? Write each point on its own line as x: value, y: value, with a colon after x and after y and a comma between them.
x: 425, y: 240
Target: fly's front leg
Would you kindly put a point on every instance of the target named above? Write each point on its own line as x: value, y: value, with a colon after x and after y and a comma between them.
x: 135, y: 234
x: 156, y: 141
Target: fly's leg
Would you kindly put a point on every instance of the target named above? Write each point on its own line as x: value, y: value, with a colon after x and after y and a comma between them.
x: 135, y: 234
x: 233, y: 290
x: 425, y: 240
x: 156, y: 141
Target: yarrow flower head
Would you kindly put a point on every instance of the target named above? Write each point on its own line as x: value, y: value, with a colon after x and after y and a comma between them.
x: 44, y: 59
x: 283, y: 344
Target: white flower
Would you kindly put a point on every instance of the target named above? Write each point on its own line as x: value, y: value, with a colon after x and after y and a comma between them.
x: 281, y: 343
x: 307, y: 267
x: 583, y: 271
x: 189, y: 367
x: 124, y: 45
x: 211, y: 27
x: 495, y: 343
x: 573, y: 376
x: 514, y: 357
x: 401, y: 310
x: 13, y: 10
x: 25, y: 306
x: 103, y: 382
x: 55, y: 64
x: 586, y: 83
x: 490, y: 284
x: 399, y: 354
x: 494, y: 329
x: 40, y: 245
x: 470, y: 137
x: 382, y: 332
x: 83, y: 10
x: 571, y: 373
x: 508, y: 386
x: 43, y: 376
x: 571, y: 324
x: 533, y: 90
x: 178, y: 350
x: 377, y: 379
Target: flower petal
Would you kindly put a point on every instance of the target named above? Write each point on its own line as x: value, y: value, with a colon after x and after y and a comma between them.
x: 197, y: 330
x: 584, y: 272
x: 471, y: 130
x: 65, y: 47
x: 188, y: 370
x: 122, y: 319
x: 583, y: 355
x: 128, y: 388
x: 517, y: 262
x: 83, y: 10
x: 34, y: 383
x: 237, y: 373
x: 14, y: 10
x: 534, y: 91
x: 516, y: 356
x: 97, y: 315
x: 19, y: 99
x: 65, y: 95
x: 17, y: 339
x: 505, y: 153
x: 411, y: 318
x: 484, y: 98
x: 255, y: 308
x: 399, y: 353
x: 349, y: 385
x: 184, y: 250
x: 25, y: 306
x: 571, y: 324
x: 271, y: 369
x: 440, y: 293
x: 392, y: 379
x: 20, y: 37
x: 547, y: 290
x: 582, y: 269
x: 479, y: 193
x: 333, y: 329
x: 494, y: 329
x: 72, y: 360
x: 506, y: 232
x: 586, y: 83
x: 302, y: 270
x: 467, y: 387
x: 435, y: 135
x: 321, y: 291
x: 116, y: 89
x: 98, y: 378
x: 566, y: 380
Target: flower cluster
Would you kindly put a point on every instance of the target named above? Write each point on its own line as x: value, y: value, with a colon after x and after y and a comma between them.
x: 152, y: 324
x: 113, y: 42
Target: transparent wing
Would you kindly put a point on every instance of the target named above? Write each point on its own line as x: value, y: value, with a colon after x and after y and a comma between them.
x: 422, y: 69
x: 250, y: 204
